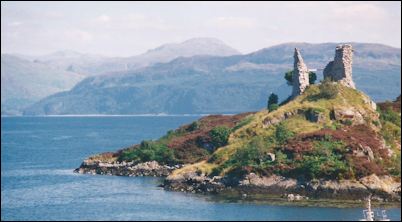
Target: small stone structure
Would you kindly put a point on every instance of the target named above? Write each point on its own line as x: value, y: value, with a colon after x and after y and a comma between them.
x: 341, y: 68
x: 300, y: 77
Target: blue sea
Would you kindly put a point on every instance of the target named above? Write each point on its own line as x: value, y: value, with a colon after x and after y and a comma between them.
x: 39, y: 154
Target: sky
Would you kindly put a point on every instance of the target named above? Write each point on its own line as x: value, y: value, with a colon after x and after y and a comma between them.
x: 132, y: 28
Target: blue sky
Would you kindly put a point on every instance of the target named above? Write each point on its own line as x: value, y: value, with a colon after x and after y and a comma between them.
x: 131, y: 28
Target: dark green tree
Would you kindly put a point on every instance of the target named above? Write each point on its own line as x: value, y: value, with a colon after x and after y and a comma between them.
x: 273, y: 99
x: 289, y: 77
x: 272, y: 102
x: 312, y: 77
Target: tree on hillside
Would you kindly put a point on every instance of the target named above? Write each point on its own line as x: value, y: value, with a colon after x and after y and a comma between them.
x: 272, y: 102
x: 312, y: 77
x: 289, y: 77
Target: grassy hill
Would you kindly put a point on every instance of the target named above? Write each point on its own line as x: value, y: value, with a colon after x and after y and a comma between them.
x: 311, y: 137
x: 331, y: 141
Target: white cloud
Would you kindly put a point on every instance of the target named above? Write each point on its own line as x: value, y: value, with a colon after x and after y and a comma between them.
x: 80, y: 35
x: 141, y: 21
x: 233, y: 22
x: 15, y: 24
x: 130, y: 28
x: 102, y: 18
x: 132, y: 21
x: 359, y: 11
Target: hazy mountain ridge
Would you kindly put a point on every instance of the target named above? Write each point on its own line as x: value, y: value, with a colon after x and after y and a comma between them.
x: 20, y: 90
x: 211, y: 84
x: 90, y: 64
x: 24, y: 82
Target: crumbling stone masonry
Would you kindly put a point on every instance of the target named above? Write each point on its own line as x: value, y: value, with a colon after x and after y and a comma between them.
x: 340, y: 69
x: 300, y: 77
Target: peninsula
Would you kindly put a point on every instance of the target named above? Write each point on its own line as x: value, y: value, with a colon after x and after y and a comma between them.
x: 327, y: 140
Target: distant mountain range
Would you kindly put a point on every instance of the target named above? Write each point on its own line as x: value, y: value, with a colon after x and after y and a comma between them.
x: 89, y: 64
x: 201, y: 83
x: 24, y: 82
x: 27, y: 79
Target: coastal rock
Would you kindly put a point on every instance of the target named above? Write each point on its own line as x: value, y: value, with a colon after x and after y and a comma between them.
x: 192, y: 182
x: 385, y: 184
x: 348, y: 114
x: 277, y: 119
x: 383, y: 188
x: 372, y: 104
x: 314, y: 116
x: 342, y: 189
x: 297, y: 197
x: 151, y: 168
x: 300, y: 77
x: 341, y: 68
x: 273, y: 181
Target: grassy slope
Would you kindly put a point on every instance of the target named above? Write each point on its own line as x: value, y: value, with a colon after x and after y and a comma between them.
x: 315, y: 149
x: 256, y: 134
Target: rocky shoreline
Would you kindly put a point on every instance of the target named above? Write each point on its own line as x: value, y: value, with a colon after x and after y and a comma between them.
x: 151, y: 168
x: 383, y: 189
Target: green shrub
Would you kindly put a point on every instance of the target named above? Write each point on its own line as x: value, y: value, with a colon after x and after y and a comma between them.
x: 247, y: 156
x: 273, y: 107
x: 149, y: 151
x: 194, y: 126
x: 220, y: 135
x: 390, y: 116
x: 170, y: 135
x: 348, y: 122
x: 282, y: 133
x: 254, y: 154
x: 170, y: 132
x: 280, y: 157
x: 330, y: 167
x: 325, y: 160
x: 375, y: 123
x: 390, y: 132
x: 337, y: 125
x: 328, y: 90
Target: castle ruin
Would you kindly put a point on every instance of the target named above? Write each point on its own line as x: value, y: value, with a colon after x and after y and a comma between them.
x: 300, y: 77
x: 340, y: 69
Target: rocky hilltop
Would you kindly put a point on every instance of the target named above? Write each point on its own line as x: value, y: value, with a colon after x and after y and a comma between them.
x: 329, y: 140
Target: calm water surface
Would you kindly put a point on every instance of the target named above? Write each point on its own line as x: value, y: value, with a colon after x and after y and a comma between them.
x: 38, y: 155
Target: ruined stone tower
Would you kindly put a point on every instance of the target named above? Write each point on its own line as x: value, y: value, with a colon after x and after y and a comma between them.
x: 341, y: 68
x: 300, y: 76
